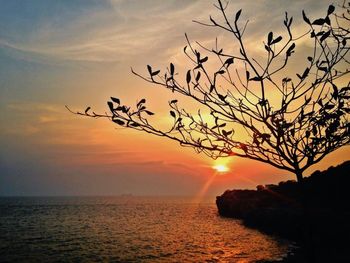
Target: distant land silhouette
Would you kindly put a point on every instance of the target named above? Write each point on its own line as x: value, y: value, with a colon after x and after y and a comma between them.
x: 315, y: 214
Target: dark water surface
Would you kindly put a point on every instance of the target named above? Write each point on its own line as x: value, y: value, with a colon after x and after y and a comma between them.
x: 126, y: 229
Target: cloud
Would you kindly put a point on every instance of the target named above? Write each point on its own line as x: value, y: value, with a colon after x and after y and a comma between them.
x: 130, y: 29
x: 106, y: 35
x: 30, y: 107
x: 44, y: 123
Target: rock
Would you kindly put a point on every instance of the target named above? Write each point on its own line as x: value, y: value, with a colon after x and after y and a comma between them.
x: 315, y: 214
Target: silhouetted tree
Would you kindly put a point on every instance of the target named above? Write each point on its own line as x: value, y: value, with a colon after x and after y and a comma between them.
x: 292, y: 121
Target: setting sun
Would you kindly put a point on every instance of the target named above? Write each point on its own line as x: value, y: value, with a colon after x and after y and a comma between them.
x: 221, y: 168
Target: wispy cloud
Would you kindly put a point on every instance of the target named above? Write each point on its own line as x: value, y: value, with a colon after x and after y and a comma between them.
x: 115, y: 34
x: 137, y: 28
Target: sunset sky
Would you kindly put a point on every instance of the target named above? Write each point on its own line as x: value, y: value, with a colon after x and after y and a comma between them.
x: 79, y: 53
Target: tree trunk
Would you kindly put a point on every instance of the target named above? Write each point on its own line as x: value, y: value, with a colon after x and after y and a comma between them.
x: 299, y: 175
x: 307, y: 227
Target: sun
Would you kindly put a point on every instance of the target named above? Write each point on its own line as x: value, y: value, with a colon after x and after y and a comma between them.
x: 221, y: 168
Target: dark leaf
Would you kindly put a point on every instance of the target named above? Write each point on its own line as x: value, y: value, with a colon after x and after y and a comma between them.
x: 87, y: 109
x: 228, y: 62
x: 172, y: 113
x: 226, y: 133
x: 198, y: 76
x: 188, y: 77
x: 173, y: 101
x: 198, y: 55
x: 149, y: 112
x: 345, y: 89
x: 247, y: 75
x: 220, y: 72
x: 286, y: 79
x: 335, y: 91
x: 331, y: 9
x: 115, y: 100
x: 319, y: 22
x: 290, y: 49
x: 309, y: 59
x: 221, y: 97
x: 222, y: 125
x: 110, y: 105
x: 325, y: 35
x: 149, y: 69
x: 328, y: 106
x: 155, y: 73
x: 238, y: 14
x: 203, y: 60
x: 119, y: 122
x: 276, y: 40
x: 125, y: 109
x: 314, y: 130
x: 285, y: 21
x: 269, y: 38
x: 257, y: 78
x: 305, y: 18
x: 134, y: 124
x: 198, y: 66
x: 140, y: 102
x: 172, y: 69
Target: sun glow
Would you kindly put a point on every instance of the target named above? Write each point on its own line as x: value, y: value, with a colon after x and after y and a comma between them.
x: 221, y: 168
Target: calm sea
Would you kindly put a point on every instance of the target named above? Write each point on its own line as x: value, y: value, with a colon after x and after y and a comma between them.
x: 126, y: 229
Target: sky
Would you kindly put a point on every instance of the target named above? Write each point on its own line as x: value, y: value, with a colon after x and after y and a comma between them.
x: 79, y: 53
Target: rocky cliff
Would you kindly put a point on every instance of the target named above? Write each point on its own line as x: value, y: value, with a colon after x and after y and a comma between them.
x: 317, y: 212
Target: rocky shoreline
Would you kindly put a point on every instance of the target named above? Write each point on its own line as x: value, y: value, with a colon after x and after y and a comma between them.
x: 316, y: 215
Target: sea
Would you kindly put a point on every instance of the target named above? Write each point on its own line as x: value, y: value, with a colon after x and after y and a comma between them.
x: 128, y: 229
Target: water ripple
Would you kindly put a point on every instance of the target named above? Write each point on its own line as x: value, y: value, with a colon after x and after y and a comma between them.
x: 126, y: 229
